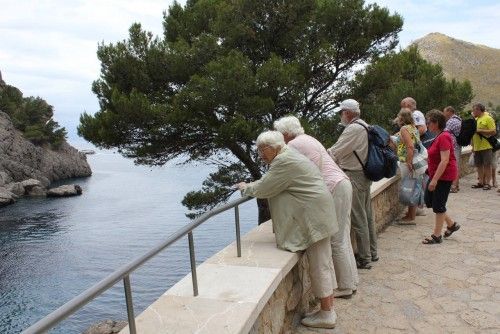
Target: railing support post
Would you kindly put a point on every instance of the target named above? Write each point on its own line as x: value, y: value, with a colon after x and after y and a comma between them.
x: 130, y: 305
x: 193, y: 264
x: 237, y: 223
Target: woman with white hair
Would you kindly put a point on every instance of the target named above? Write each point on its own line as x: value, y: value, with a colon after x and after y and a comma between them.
x: 302, y: 213
x: 340, y: 187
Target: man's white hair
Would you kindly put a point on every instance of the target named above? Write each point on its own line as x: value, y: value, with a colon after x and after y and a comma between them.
x: 289, y: 125
x: 271, y: 138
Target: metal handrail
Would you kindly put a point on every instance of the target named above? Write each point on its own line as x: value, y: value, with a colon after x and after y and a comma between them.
x: 88, y: 295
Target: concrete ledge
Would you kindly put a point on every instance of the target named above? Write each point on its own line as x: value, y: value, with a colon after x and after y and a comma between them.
x: 232, y: 291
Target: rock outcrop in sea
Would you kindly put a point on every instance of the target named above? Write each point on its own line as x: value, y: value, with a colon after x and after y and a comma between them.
x: 27, y: 169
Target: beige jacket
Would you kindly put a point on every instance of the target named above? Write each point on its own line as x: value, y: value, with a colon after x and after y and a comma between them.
x: 354, y: 138
x: 301, y: 206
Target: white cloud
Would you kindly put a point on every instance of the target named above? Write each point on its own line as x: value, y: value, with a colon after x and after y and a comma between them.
x: 48, y: 47
x: 472, y: 21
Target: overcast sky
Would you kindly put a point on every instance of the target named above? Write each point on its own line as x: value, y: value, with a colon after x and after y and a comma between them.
x: 48, y: 48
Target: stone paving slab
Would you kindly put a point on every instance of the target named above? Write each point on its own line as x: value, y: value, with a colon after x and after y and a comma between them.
x: 453, y: 287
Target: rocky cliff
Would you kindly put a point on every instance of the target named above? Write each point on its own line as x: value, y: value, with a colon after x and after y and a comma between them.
x: 463, y: 60
x: 21, y: 160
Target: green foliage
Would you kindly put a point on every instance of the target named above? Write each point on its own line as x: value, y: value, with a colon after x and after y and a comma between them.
x: 215, y: 188
x: 382, y: 85
x: 32, y: 116
x: 222, y: 72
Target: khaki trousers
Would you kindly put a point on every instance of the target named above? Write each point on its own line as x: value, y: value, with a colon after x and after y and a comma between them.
x: 361, y: 216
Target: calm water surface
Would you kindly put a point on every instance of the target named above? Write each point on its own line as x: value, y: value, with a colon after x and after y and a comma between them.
x: 53, y: 249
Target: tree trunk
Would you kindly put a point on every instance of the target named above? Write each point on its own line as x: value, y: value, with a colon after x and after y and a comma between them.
x: 264, y: 214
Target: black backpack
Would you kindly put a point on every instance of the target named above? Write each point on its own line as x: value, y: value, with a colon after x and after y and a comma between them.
x: 381, y: 161
x: 467, y: 130
x: 427, y: 139
x: 494, y: 142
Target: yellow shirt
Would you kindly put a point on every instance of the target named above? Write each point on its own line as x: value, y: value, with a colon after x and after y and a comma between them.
x: 415, y: 137
x: 484, y: 122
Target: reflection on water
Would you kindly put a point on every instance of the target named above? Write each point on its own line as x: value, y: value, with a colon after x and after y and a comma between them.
x: 54, y: 249
x: 38, y: 226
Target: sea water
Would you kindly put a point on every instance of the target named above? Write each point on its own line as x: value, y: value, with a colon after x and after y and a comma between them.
x: 52, y: 249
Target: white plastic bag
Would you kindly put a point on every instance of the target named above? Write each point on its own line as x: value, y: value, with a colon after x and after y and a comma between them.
x: 419, y: 159
x: 409, y: 191
x: 471, y: 160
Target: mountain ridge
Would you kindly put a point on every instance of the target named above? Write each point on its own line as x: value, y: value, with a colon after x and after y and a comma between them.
x: 462, y: 60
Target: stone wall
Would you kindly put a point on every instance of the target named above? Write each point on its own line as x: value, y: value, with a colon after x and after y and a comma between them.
x: 385, y: 205
x: 464, y: 162
x: 289, y: 302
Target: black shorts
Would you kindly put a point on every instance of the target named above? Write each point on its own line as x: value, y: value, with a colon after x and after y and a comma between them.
x: 437, y: 199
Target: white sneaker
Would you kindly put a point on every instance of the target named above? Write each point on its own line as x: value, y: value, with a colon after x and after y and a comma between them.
x: 321, y: 319
x: 421, y: 212
x: 313, y: 311
x: 342, y: 293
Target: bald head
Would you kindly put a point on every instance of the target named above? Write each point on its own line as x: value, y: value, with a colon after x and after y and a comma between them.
x: 409, y: 102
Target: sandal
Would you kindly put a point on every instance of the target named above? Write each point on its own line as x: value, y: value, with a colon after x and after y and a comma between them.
x: 476, y: 186
x: 432, y: 240
x: 486, y: 187
x: 450, y: 229
x: 454, y: 190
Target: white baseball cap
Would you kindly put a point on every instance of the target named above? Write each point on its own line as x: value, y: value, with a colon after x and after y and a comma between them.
x: 348, y: 104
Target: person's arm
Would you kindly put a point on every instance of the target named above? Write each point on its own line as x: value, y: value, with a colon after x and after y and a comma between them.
x: 410, y: 147
x: 489, y: 128
x: 445, y: 158
x: 392, y: 144
x: 486, y: 132
x: 271, y: 184
x: 421, y: 129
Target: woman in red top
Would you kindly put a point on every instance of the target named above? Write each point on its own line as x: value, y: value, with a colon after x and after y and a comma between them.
x: 442, y: 169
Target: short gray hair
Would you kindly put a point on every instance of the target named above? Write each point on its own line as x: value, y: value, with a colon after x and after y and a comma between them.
x: 271, y: 138
x: 289, y: 125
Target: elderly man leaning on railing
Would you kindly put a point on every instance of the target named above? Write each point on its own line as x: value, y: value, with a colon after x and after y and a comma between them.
x: 302, y: 212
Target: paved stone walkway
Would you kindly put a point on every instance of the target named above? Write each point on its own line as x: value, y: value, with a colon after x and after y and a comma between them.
x: 452, y: 287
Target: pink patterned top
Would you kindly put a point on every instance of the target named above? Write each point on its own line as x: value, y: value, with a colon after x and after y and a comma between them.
x: 316, y: 152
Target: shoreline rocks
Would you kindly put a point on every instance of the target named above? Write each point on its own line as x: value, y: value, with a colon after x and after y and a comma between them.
x: 106, y: 327
x: 10, y: 192
x: 65, y: 191
x: 28, y: 170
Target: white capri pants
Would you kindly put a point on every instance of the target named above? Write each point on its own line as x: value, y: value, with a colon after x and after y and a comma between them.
x: 321, y: 270
x: 344, y: 262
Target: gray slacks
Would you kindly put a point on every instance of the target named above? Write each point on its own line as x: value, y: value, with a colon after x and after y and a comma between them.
x: 361, y: 216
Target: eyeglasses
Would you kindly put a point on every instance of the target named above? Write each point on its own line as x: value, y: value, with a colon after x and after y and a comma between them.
x: 260, y: 151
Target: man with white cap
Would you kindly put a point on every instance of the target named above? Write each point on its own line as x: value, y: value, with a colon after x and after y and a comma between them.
x: 355, y: 139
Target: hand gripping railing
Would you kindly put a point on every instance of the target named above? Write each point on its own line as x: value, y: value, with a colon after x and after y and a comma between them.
x: 124, y: 272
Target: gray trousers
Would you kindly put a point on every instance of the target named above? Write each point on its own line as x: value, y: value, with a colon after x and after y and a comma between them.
x: 361, y: 216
